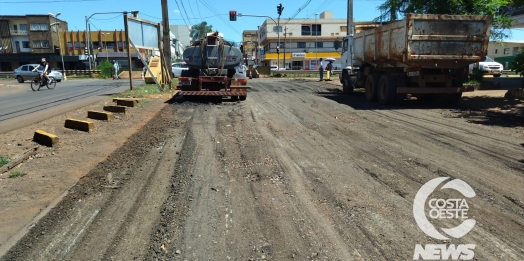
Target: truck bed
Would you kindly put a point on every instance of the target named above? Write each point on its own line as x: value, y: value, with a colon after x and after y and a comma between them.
x: 425, y: 41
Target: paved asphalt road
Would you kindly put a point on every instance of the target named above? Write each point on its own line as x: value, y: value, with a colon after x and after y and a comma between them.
x: 20, y: 106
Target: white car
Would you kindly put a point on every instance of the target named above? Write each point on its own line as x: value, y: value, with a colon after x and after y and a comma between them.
x: 25, y: 73
x: 489, y: 67
x: 177, y: 68
x: 275, y: 68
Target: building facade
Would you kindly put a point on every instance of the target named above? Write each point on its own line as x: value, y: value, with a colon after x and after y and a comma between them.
x: 181, y: 33
x: 250, y: 43
x: 504, y: 52
x: 302, y: 41
x: 27, y: 38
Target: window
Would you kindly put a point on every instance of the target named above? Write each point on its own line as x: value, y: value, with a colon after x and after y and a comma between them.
x: 301, y: 44
x: 316, y: 29
x: 15, y: 27
x: 23, y: 27
x: 38, y: 27
x: 496, y: 51
x: 506, y: 50
x: 41, y: 44
x: 25, y: 44
x: 343, y: 29
x: 320, y: 45
x: 306, y: 30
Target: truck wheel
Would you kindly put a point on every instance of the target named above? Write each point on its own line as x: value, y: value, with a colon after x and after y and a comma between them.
x: 387, y: 90
x: 348, y: 83
x: 242, y: 98
x: 371, y: 86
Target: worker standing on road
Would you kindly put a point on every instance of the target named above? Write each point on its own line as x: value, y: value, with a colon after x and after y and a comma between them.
x: 115, y: 70
x: 329, y: 69
x: 321, y: 69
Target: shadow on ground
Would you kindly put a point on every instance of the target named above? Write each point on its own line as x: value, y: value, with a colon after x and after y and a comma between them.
x: 496, y: 111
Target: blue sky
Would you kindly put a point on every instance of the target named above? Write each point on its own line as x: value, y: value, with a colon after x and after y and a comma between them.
x: 214, y: 12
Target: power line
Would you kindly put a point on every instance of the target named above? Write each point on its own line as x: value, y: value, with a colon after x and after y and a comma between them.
x: 198, y: 8
x: 323, y: 5
x: 189, y: 28
x: 220, y: 17
x: 51, y: 1
x: 191, y: 8
x: 183, y: 7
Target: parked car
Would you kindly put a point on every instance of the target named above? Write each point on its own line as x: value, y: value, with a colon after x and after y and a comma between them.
x: 275, y: 68
x: 176, y: 68
x: 489, y: 67
x: 25, y: 73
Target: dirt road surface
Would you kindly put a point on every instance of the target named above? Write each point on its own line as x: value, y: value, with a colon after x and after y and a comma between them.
x: 296, y: 172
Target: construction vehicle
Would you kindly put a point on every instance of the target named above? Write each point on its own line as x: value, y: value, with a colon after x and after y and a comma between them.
x: 212, y: 63
x: 424, y: 55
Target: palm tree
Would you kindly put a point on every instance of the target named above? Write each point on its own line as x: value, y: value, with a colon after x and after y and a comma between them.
x: 199, y: 31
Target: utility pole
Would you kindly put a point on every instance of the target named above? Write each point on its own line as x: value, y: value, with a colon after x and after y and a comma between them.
x: 350, y: 32
x: 127, y: 42
x: 280, y: 8
x: 285, y: 37
x: 167, y: 37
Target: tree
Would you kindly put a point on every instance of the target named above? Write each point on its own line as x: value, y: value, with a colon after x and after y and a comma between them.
x: 199, y: 31
x: 502, y: 21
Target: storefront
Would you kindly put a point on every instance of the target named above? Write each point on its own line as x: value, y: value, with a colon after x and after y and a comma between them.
x: 300, y: 61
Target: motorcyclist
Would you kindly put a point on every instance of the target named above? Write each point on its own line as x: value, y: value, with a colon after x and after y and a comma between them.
x: 45, y: 65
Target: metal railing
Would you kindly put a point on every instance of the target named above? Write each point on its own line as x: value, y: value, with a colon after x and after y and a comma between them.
x: 18, y: 32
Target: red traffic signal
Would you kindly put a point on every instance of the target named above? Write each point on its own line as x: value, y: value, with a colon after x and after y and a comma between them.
x: 232, y: 15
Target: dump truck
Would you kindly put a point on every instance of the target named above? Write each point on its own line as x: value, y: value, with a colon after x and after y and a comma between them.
x: 212, y: 63
x: 424, y: 55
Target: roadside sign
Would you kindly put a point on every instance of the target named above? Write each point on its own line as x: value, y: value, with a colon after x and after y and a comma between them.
x: 277, y: 29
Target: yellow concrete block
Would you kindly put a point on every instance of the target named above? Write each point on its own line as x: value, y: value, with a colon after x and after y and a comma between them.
x: 100, y: 115
x: 126, y: 99
x: 79, y: 125
x: 115, y: 108
x: 45, y: 138
x: 127, y: 103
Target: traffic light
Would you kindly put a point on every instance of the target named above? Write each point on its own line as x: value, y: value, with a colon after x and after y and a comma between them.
x: 337, y: 44
x: 280, y: 8
x: 86, y: 51
x: 242, y: 48
x: 232, y: 15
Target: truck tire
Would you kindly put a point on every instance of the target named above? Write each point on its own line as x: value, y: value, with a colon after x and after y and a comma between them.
x: 348, y: 83
x: 387, y: 90
x: 371, y: 87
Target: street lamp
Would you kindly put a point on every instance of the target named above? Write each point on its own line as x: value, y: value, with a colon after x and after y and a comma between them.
x: 88, y: 32
x: 105, y: 44
x: 59, y: 43
x: 316, y: 38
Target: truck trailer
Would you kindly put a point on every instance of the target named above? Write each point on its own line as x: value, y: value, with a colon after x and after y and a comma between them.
x: 211, y: 64
x: 424, y: 55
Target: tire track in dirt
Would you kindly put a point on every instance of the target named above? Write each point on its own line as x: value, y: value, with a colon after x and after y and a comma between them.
x: 509, y: 241
x: 98, y: 216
